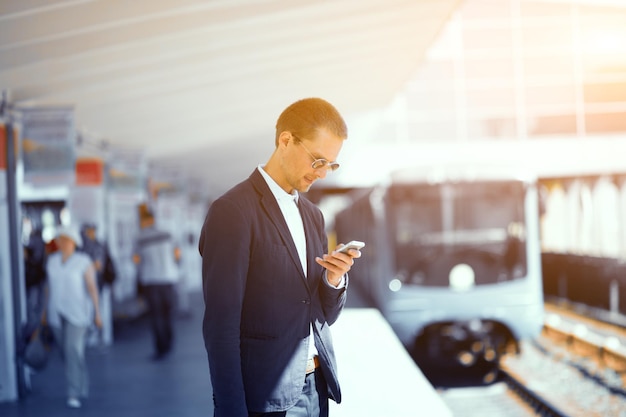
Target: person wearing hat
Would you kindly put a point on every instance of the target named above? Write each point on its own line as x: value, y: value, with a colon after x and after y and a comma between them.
x: 72, y: 307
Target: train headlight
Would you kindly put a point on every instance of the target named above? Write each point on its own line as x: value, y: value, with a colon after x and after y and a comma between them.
x: 462, y: 277
x: 395, y: 285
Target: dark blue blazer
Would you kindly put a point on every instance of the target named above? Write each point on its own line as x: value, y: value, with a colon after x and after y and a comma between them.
x: 258, y: 303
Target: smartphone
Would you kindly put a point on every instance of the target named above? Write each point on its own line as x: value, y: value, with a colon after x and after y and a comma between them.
x: 353, y: 244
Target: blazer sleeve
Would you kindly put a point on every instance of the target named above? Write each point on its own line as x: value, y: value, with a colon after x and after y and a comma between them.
x: 224, y: 246
x: 333, y: 299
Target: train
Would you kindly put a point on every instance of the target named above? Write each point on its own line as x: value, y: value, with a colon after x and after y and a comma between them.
x: 452, y: 260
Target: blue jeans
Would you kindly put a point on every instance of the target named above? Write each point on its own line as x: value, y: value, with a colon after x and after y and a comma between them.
x: 313, y: 401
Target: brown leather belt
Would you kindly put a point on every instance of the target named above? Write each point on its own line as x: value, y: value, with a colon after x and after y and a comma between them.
x: 312, y: 364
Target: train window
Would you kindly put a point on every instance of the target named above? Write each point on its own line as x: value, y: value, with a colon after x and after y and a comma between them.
x: 438, y: 226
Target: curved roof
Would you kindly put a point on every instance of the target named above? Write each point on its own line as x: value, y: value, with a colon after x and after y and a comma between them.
x: 199, y: 84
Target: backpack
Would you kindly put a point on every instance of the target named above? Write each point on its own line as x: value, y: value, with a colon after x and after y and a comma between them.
x: 108, y: 273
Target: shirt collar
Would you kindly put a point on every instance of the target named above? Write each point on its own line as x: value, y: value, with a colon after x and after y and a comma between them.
x: 279, y: 193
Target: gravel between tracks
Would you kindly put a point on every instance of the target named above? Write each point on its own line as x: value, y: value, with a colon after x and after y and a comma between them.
x: 577, y: 384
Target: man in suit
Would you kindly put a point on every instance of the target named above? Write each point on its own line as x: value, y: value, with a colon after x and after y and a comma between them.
x: 271, y: 289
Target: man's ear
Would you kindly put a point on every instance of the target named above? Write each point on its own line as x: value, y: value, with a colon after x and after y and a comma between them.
x: 284, y: 138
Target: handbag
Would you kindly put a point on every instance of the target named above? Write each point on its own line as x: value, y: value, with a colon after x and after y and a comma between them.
x: 38, y: 348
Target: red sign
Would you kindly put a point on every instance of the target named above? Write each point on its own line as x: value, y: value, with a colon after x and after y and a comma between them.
x: 3, y: 148
x: 89, y: 171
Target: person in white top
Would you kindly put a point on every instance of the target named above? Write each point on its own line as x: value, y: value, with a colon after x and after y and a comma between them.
x: 72, y: 307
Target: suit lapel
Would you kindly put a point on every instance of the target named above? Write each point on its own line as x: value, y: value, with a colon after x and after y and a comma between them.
x: 270, y: 205
x: 309, y: 232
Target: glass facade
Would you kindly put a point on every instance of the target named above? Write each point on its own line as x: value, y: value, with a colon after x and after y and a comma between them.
x: 520, y: 70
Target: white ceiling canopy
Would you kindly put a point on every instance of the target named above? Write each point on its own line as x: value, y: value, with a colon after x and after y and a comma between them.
x: 199, y: 84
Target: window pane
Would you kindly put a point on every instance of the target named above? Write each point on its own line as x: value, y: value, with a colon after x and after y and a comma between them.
x: 492, y: 128
x: 486, y: 9
x: 487, y: 38
x: 436, y: 100
x: 552, y: 125
x: 605, y: 92
x: 502, y: 98
x: 532, y: 9
x: 443, y: 130
x: 561, y: 65
x: 606, y: 122
x: 489, y: 68
x: 441, y: 70
x: 557, y: 34
x: 564, y: 95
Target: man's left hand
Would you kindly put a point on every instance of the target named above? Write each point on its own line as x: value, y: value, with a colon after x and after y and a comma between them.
x: 337, y: 264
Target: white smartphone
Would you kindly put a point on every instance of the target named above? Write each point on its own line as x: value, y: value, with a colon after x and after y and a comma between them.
x: 353, y: 244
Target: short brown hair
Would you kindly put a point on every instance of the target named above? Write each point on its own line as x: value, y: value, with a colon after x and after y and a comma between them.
x: 145, y: 213
x: 305, y: 116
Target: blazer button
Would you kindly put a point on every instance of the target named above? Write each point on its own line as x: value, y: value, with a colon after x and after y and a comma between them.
x: 306, y: 301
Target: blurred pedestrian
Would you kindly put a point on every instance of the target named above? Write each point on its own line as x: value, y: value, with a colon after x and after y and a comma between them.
x: 105, y: 276
x: 72, y: 306
x: 35, y: 277
x: 95, y: 249
x: 271, y: 288
x: 155, y: 255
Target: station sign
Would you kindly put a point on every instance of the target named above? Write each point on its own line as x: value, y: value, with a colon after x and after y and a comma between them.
x: 126, y: 170
x: 87, y: 197
x: 166, y: 182
x: 48, y: 145
x: 89, y: 171
x: 3, y: 148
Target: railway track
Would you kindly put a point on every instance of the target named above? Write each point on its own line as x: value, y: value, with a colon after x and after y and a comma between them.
x: 576, y: 368
x: 588, y: 336
x: 495, y: 400
x: 511, y: 396
x: 540, y: 405
x: 578, y: 365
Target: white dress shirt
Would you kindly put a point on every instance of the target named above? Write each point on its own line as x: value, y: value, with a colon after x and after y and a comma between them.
x: 288, y: 204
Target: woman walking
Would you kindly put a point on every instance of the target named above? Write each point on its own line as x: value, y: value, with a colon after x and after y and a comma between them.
x: 72, y: 306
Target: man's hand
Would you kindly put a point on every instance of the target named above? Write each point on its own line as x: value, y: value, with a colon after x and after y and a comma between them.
x: 337, y: 264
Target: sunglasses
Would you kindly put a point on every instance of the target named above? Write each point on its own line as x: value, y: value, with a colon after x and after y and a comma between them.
x: 318, y: 163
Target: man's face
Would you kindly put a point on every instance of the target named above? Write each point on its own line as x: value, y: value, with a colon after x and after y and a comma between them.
x: 65, y: 243
x: 298, y: 157
x: 90, y: 232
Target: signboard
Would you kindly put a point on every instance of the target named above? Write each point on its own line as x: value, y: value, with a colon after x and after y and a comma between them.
x: 126, y: 170
x: 166, y: 182
x: 48, y: 145
x: 89, y: 171
x: 86, y: 198
x: 3, y: 148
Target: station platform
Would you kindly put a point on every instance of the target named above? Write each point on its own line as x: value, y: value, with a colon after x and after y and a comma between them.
x: 377, y: 376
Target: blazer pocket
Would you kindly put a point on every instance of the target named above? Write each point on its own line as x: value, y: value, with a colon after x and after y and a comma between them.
x: 258, y: 336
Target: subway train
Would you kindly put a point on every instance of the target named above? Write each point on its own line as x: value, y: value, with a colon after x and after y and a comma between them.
x: 452, y: 260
